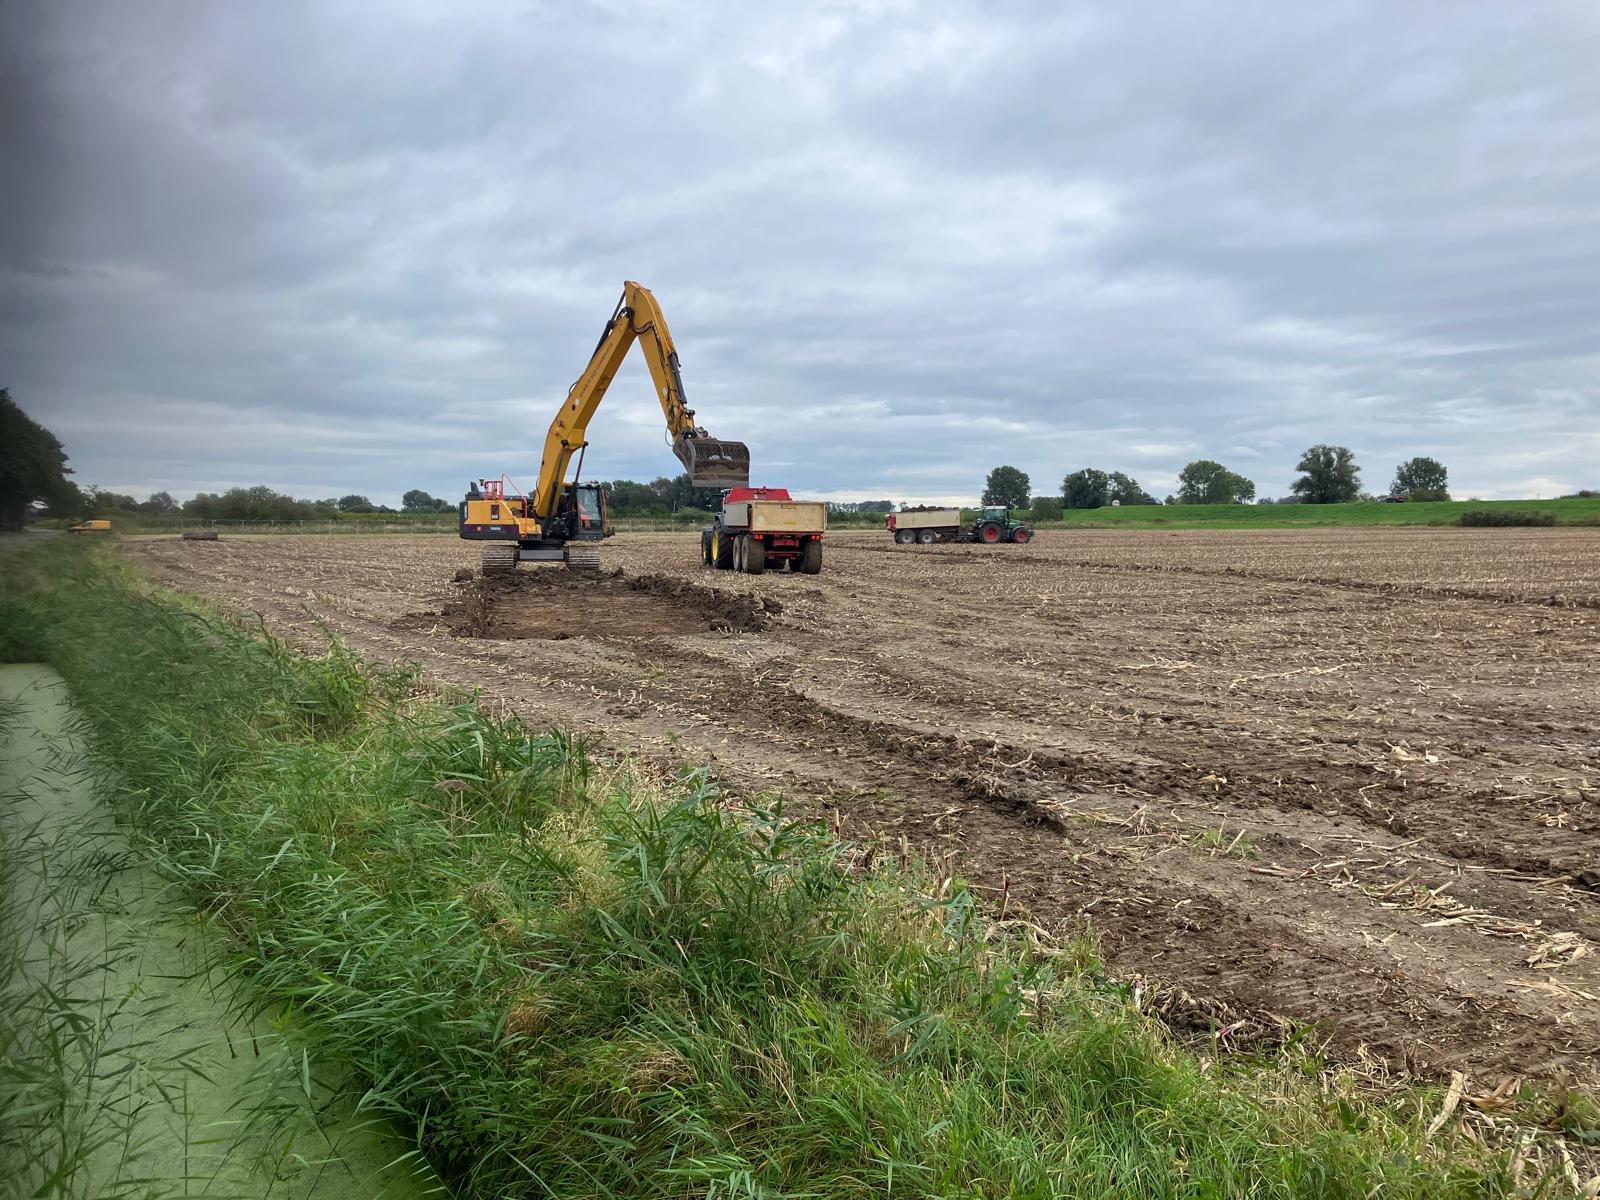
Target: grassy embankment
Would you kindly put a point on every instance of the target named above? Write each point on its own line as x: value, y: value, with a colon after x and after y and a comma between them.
x: 1583, y: 511
x: 565, y: 981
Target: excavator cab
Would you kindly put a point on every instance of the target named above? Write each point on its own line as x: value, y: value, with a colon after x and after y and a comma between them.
x: 712, y: 463
x: 583, y: 512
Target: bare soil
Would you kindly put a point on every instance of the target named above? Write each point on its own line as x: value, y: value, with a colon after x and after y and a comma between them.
x: 1340, y: 777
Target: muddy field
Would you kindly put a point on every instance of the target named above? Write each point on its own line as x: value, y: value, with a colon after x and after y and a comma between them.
x: 1343, y: 777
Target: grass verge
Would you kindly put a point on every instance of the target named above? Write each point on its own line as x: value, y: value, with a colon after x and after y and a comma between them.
x: 565, y: 983
x: 1581, y: 511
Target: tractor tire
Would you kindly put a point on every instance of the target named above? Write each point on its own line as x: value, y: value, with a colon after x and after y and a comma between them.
x: 1021, y: 536
x: 498, y: 559
x: 755, y: 556
x: 927, y: 537
x: 989, y: 533
x: 811, y: 557
x: 905, y: 536
x: 705, y: 547
x: 583, y: 558
x: 721, y: 550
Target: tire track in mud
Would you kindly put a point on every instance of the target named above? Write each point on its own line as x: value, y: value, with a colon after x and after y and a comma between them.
x: 1159, y: 918
x: 1407, y: 590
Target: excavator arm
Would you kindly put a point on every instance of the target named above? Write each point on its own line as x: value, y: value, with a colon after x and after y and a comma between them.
x: 710, y: 463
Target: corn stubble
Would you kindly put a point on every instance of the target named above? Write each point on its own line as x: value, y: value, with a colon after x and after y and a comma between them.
x: 563, y: 981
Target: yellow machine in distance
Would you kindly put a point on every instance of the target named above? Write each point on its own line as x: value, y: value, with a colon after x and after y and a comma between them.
x: 544, y: 525
x: 97, y: 525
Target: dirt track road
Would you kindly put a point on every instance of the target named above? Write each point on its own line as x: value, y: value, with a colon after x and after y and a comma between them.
x: 1349, y: 777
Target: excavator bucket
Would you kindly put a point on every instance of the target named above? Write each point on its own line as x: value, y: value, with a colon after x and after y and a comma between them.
x: 711, y: 463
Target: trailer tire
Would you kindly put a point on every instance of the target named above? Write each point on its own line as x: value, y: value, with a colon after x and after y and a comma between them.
x: 905, y: 536
x: 811, y: 557
x: 755, y: 556
x: 927, y: 537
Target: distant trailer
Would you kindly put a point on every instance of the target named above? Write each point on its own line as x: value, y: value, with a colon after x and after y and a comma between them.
x: 926, y: 525
x: 929, y: 525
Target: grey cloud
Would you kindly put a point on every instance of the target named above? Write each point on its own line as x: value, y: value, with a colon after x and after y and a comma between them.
x: 339, y: 248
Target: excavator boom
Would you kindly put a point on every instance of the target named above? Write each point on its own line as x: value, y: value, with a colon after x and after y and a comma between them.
x: 709, y: 461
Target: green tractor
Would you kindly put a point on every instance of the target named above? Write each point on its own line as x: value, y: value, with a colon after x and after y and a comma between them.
x: 994, y: 524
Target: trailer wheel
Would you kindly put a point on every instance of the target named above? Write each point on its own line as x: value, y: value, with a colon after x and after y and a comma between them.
x: 811, y: 557
x: 927, y: 537
x: 905, y: 536
x: 1021, y: 536
x: 989, y: 533
x: 755, y: 556
x: 738, y: 552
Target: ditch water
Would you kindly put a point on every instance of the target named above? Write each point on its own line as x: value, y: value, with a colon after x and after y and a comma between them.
x: 134, y: 1070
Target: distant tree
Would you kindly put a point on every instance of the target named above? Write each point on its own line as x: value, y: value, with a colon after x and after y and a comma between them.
x: 1422, y: 479
x: 418, y: 501
x: 259, y: 503
x: 101, y: 502
x: 1045, y: 508
x: 1007, y: 486
x: 876, y: 506
x: 1329, y: 475
x: 355, y: 504
x: 33, y: 467
x: 160, y: 504
x: 1127, y: 491
x: 1207, y: 482
x: 1087, y: 488
x: 678, y: 493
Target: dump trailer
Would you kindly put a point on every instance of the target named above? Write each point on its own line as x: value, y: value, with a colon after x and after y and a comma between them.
x: 925, y: 525
x: 929, y: 525
x: 761, y: 528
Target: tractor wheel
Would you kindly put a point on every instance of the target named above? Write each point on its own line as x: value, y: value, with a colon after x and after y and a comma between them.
x: 927, y: 537
x: 721, y: 550
x: 499, y: 559
x: 989, y: 534
x: 705, y: 547
x: 1021, y: 536
x: 905, y: 536
x: 811, y: 557
x: 755, y: 556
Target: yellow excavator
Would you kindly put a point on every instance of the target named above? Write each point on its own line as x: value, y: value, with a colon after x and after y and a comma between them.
x: 563, y: 521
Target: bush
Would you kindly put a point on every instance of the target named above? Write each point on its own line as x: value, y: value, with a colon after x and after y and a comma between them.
x: 1506, y: 516
x: 1045, y: 508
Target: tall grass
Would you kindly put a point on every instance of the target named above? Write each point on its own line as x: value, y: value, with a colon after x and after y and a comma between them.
x: 565, y: 983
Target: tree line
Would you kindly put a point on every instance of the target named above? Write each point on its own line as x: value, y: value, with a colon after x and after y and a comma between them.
x: 1328, y: 475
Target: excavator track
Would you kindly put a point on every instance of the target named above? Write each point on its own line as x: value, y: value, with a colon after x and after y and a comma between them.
x: 499, y: 559
x: 583, y: 558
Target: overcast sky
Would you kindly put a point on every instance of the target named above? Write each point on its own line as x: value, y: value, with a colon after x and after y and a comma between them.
x: 358, y: 247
